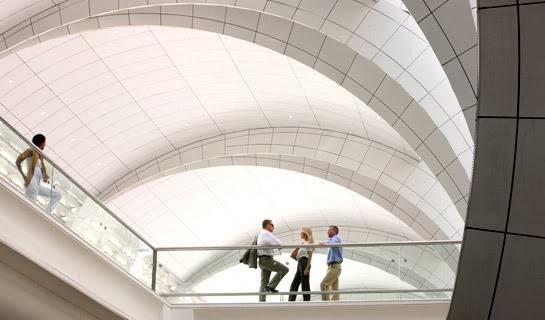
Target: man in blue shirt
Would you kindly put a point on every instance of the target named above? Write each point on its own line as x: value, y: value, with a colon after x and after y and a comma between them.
x: 334, y: 260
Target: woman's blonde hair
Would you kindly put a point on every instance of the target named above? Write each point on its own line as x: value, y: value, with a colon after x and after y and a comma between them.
x: 308, y: 232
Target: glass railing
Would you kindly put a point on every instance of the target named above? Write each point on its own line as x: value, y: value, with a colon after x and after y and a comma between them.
x: 76, y: 209
x: 370, y: 272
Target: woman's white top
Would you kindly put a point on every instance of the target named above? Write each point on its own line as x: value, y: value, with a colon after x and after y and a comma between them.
x: 303, y: 251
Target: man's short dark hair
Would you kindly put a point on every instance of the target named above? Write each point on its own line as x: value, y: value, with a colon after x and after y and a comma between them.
x: 265, y: 223
x: 335, y: 228
x: 38, y: 139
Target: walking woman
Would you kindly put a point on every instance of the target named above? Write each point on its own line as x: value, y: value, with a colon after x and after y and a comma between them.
x: 303, y: 255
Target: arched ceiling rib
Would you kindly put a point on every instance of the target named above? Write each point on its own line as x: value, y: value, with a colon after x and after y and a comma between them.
x: 429, y: 150
x: 401, y: 185
x: 345, y: 150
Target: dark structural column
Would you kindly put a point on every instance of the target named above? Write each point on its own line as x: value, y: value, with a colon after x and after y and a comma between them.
x: 502, y: 264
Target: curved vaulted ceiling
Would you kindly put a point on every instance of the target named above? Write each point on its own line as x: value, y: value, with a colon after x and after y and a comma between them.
x: 371, y: 27
x: 205, y: 73
x: 442, y: 156
x: 173, y: 87
x: 378, y: 31
x: 145, y: 92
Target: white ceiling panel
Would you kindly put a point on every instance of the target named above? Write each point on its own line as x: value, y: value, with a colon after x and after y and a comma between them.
x: 9, y: 63
x: 49, y: 58
x: 141, y: 56
x: 19, y: 93
x: 14, y: 77
x: 73, y: 68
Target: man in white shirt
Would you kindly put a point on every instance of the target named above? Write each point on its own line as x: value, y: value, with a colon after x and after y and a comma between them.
x: 266, y: 261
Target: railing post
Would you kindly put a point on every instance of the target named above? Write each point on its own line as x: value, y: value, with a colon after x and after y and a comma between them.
x: 154, y: 270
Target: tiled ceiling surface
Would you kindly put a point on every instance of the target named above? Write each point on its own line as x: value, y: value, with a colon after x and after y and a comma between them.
x: 444, y: 144
x: 432, y: 123
x: 375, y: 29
x: 154, y: 111
x: 383, y: 32
x: 126, y: 95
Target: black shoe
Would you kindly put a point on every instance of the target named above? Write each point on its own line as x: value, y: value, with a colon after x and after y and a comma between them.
x: 269, y: 289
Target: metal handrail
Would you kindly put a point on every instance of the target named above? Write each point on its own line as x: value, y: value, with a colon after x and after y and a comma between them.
x: 354, y: 291
x: 77, y: 184
x: 325, y: 245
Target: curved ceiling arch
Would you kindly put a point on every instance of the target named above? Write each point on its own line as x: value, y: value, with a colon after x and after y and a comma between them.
x: 353, y: 23
x: 347, y: 151
x: 371, y: 85
x: 401, y: 185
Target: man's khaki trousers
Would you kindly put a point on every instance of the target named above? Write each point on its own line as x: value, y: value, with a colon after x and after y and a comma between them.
x: 331, y: 281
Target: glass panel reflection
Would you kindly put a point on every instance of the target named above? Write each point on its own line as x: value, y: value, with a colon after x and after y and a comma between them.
x: 383, y: 272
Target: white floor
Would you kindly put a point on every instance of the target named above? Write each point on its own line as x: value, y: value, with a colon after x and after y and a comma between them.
x: 386, y: 311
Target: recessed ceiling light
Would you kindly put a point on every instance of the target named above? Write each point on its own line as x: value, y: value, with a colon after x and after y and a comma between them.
x: 42, y: 113
x: 290, y: 116
x: 10, y: 81
x: 187, y: 124
x: 99, y: 164
x: 73, y: 139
